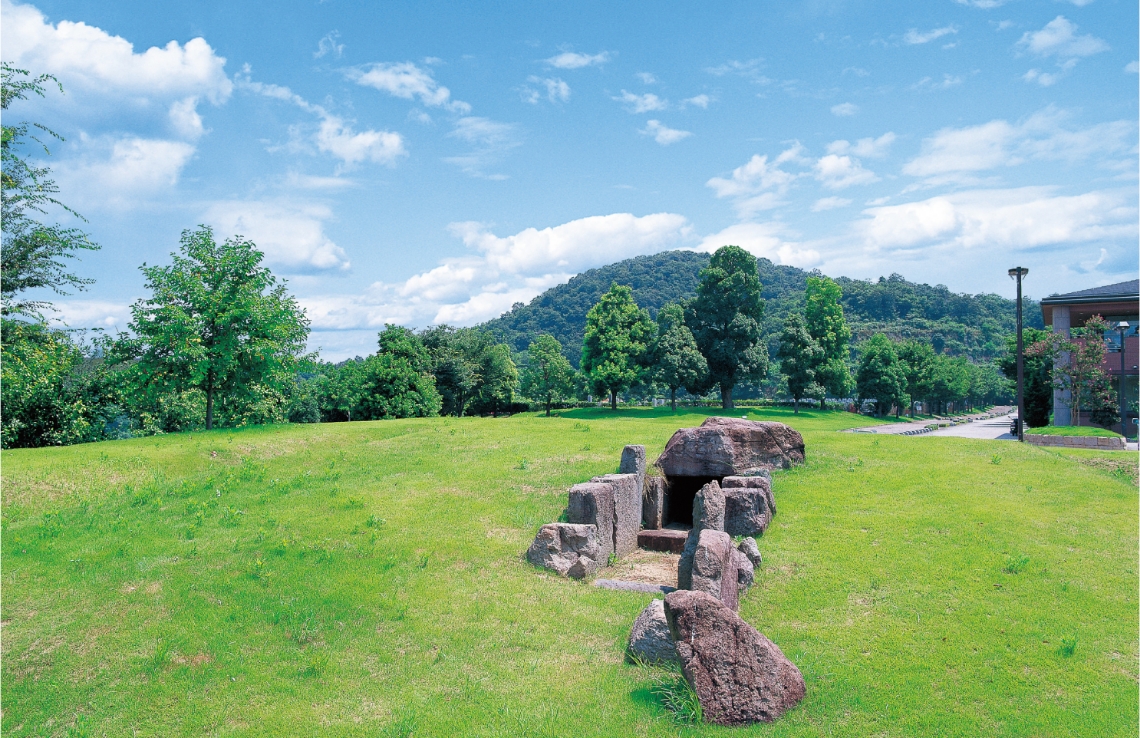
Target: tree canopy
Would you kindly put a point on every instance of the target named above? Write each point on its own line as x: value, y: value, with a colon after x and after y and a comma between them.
x: 823, y: 313
x: 725, y: 320
x: 677, y: 362
x: 548, y: 376
x: 617, y: 337
x: 881, y: 376
x: 799, y: 357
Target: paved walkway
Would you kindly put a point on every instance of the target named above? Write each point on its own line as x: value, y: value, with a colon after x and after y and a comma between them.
x: 982, y: 425
x: 995, y: 428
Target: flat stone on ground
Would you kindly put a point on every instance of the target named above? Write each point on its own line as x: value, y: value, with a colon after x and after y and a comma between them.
x: 665, y: 539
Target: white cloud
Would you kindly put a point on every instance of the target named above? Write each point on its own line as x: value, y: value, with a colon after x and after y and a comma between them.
x: 501, y: 270
x: 983, y: 4
x: 1045, y: 79
x: 641, y: 103
x: 407, y: 81
x: 748, y: 69
x: 914, y: 37
x: 999, y: 143
x: 758, y: 184
x: 928, y: 83
x: 844, y: 109
x: 839, y: 172
x: 90, y: 60
x: 663, y: 134
x: 489, y: 139
x: 556, y: 90
x: 1132, y: 67
x: 185, y: 119
x: 328, y: 45
x: 829, y: 203
x: 333, y: 135
x: 700, y: 101
x: 1021, y: 218
x: 762, y: 240
x: 119, y: 173
x: 291, y: 235
x: 574, y: 60
x: 1059, y: 38
x: 646, y: 78
x: 91, y: 314
x: 871, y: 148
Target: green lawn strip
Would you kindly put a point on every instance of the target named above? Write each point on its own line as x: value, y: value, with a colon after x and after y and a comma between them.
x: 1073, y: 430
x: 367, y: 577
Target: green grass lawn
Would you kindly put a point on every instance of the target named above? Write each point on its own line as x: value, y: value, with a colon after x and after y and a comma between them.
x: 367, y: 579
x: 1073, y: 430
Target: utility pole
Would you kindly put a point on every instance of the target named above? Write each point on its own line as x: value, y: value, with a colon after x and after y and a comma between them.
x: 1019, y: 273
x: 1122, y: 326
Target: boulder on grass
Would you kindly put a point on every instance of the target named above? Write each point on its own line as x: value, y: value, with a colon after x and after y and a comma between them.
x: 627, y: 510
x: 761, y: 481
x: 745, y: 574
x: 653, y: 513
x: 593, y: 504
x: 740, y: 676
x: 723, y: 447
x: 569, y: 549
x: 708, y: 513
x: 749, y: 548
x: 650, y: 640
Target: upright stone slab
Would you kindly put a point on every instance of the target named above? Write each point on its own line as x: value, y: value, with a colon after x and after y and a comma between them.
x: 592, y: 503
x: 746, y: 511
x: 723, y: 447
x: 653, y: 512
x: 567, y: 549
x: 740, y: 676
x: 762, y: 481
x: 716, y: 569
x: 708, y: 513
x: 633, y: 462
x: 627, y: 510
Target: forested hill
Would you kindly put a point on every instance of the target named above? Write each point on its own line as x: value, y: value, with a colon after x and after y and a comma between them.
x: 956, y: 324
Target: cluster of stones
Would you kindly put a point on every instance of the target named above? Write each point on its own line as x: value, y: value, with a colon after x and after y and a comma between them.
x: 725, y: 468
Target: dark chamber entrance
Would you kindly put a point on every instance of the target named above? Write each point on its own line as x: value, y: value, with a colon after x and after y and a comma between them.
x: 679, y: 506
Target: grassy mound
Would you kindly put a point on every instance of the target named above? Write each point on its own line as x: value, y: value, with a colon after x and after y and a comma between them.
x: 366, y: 578
x: 1073, y: 430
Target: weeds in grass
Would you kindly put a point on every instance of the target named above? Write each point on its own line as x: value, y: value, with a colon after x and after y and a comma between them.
x: 402, y: 727
x: 523, y: 465
x: 1015, y: 564
x: 354, y: 503
x: 1068, y: 646
x: 375, y: 521
x: 677, y: 696
x: 318, y: 664
x: 160, y: 657
x: 258, y: 571
x: 231, y: 517
x: 995, y: 459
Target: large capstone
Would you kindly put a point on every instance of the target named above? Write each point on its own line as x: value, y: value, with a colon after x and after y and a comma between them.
x: 592, y: 503
x: 723, y: 447
x: 650, y: 640
x: 740, y: 676
x: 568, y: 549
x: 627, y: 510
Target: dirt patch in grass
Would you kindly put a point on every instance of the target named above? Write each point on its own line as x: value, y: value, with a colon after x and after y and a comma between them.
x: 651, y: 567
x: 1127, y: 468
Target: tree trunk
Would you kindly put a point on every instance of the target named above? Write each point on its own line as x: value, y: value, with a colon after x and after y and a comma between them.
x: 613, y: 400
x: 673, y: 397
x: 795, y: 406
x: 823, y: 402
x: 726, y: 397
x: 548, y: 406
x: 210, y: 402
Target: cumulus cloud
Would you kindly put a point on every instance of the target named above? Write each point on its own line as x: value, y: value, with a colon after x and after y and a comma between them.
x: 641, y: 103
x: 662, y: 133
x: 499, y: 271
x: 91, y: 314
x: 555, y: 90
x: 758, y: 184
x: 90, y: 60
x: 762, y: 240
x: 406, y: 80
x: 844, y: 109
x: 983, y: 4
x: 1059, y: 38
x: 914, y: 37
x: 840, y: 172
x: 700, y: 101
x: 1020, y: 218
x: 750, y: 69
x: 829, y: 203
x: 574, y: 60
x: 929, y: 83
x: 291, y: 235
x: 870, y: 148
x: 333, y: 135
x: 119, y: 173
x: 489, y: 139
x: 998, y: 143
x: 647, y: 78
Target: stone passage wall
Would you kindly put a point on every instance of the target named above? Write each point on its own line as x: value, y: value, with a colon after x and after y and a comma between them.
x: 1114, y: 444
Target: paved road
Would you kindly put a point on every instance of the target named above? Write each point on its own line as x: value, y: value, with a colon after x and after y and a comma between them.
x: 995, y: 428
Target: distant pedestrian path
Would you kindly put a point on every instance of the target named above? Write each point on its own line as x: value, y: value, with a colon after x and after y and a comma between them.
x: 991, y: 424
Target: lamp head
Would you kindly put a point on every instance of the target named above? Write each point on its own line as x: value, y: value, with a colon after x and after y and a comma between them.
x: 1013, y: 273
x: 1122, y: 325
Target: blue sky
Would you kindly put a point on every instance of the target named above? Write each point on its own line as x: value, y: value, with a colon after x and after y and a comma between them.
x: 421, y: 163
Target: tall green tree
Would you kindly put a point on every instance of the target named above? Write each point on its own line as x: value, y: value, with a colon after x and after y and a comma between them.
x: 917, y: 359
x: 618, y: 334
x: 881, y: 376
x: 1038, y: 368
x: 725, y: 319
x: 949, y: 380
x: 398, y: 382
x: 548, y: 376
x: 33, y: 254
x: 823, y: 313
x: 498, y: 380
x: 457, y: 360
x: 340, y: 389
x: 219, y: 322
x: 677, y: 362
x: 799, y: 357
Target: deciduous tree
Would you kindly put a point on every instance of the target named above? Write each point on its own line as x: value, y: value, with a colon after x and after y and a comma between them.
x: 799, y: 357
x: 617, y: 337
x: 677, y: 362
x: 881, y: 377
x: 548, y: 376
x: 398, y: 381
x: 823, y: 314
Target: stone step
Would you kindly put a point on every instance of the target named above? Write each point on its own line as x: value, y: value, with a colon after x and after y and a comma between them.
x: 665, y: 539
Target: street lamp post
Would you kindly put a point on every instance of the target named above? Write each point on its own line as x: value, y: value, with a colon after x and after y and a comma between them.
x: 1122, y: 326
x: 1019, y: 273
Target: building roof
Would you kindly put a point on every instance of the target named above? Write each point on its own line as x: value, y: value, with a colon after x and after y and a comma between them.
x: 1121, y: 291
